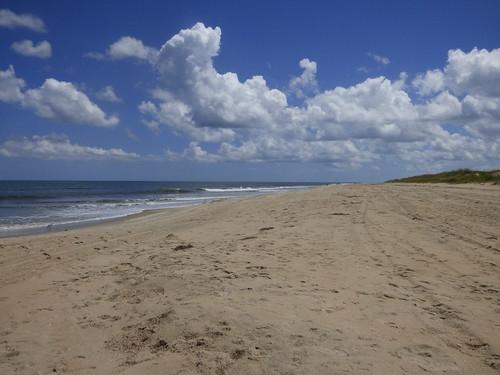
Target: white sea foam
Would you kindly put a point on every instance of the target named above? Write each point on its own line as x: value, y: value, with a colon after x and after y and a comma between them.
x: 253, y: 189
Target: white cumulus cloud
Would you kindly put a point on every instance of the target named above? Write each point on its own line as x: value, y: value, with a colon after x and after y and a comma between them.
x: 42, y: 50
x: 195, y: 99
x: 430, y: 82
x: 305, y: 83
x: 13, y: 20
x: 108, y: 94
x: 11, y: 87
x: 124, y: 48
x: 474, y: 78
x: 476, y: 72
x: 375, y: 108
x: 193, y: 152
x: 62, y: 101
x: 54, y: 100
x: 127, y: 47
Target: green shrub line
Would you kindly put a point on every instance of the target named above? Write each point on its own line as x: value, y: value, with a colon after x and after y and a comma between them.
x: 459, y: 176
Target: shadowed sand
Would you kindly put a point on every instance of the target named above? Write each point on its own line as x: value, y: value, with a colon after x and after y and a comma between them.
x: 361, y: 279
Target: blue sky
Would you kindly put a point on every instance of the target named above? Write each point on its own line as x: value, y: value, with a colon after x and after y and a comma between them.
x: 383, y: 89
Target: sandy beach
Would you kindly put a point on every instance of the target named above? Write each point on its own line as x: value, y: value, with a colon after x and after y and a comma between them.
x: 354, y: 279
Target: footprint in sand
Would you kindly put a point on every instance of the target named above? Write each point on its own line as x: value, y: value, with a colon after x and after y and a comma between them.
x: 427, y: 357
x: 266, y: 228
x: 248, y: 238
x: 183, y: 247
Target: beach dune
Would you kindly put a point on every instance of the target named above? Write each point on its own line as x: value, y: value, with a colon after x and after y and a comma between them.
x: 354, y: 279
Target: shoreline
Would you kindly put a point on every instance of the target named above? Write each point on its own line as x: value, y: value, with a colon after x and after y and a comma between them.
x: 69, y: 227
x: 65, y: 226
x: 355, y: 279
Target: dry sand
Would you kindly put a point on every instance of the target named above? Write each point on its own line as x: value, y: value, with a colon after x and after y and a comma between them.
x: 364, y: 279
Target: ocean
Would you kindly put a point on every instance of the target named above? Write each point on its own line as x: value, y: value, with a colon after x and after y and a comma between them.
x: 38, y: 206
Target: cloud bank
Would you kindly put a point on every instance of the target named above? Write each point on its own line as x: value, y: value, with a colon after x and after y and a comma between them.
x: 444, y: 117
x: 59, y: 147
x: 375, y: 120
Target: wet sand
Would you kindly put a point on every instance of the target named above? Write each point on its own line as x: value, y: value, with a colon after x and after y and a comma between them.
x: 359, y: 279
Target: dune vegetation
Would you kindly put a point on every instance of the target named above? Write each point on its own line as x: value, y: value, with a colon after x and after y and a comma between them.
x: 459, y: 176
